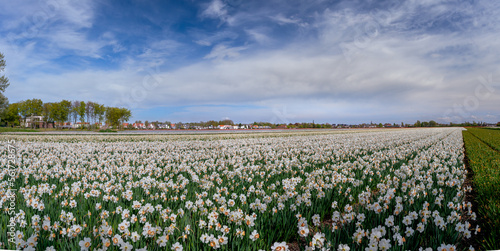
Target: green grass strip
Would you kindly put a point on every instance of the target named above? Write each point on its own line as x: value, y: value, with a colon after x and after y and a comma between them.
x: 485, y: 162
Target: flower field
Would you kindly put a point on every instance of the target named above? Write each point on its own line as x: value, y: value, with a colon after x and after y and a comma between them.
x: 367, y: 190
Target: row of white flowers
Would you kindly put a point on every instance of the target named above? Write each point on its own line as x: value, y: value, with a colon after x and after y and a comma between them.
x: 380, y: 190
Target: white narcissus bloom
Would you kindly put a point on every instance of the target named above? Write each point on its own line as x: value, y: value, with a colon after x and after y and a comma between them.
x: 407, y: 220
x: 376, y: 234
x: 303, y: 231
x: 447, y: 247
x: 117, y: 240
x: 202, y: 224
x: 318, y: 240
x: 213, y: 242
x: 225, y: 229
x: 316, y: 219
x: 222, y: 240
x: 361, y: 217
x: 420, y: 227
x: 384, y: 244
x: 32, y: 241
x: 279, y: 246
x: 125, y: 246
x: 334, y: 204
x: 467, y: 234
x: 409, y: 231
x: 254, y: 235
x: 348, y: 208
x: 125, y: 214
x: 134, y: 236
x: 85, y: 244
x: 343, y: 247
x: 177, y: 247
x: 358, y: 235
x: 106, y: 242
x: 399, y: 239
x: 205, y: 238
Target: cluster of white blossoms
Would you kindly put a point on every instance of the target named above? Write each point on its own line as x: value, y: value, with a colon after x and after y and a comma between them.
x: 369, y: 190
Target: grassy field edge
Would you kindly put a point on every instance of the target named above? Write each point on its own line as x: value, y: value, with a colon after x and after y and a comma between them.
x: 485, y: 163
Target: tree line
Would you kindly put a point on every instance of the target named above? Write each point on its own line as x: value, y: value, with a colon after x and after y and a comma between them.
x: 64, y: 111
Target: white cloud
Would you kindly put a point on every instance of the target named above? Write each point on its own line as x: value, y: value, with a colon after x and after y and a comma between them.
x: 79, y: 13
x: 216, y: 9
x: 67, y: 38
x: 222, y: 51
x: 208, y: 40
x: 282, y: 20
x: 259, y: 35
x: 53, y: 26
x: 160, y: 50
x: 32, y: 15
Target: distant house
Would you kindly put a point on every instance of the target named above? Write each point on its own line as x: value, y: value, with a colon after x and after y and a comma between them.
x: 66, y: 125
x: 225, y: 127
x: 261, y: 127
x: 34, y: 121
x: 138, y: 125
x: 81, y: 125
x: 163, y: 126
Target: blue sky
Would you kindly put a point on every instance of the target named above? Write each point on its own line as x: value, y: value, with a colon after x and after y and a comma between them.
x: 279, y: 61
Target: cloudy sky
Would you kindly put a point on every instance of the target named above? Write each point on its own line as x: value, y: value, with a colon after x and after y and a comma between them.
x: 275, y: 60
